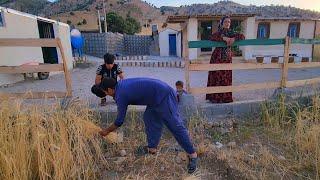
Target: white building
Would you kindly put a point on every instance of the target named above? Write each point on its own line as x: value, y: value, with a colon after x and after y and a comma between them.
x: 170, y: 42
x: 200, y: 27
x: 15, y: 24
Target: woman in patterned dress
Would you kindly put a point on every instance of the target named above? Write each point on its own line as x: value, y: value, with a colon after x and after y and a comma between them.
x: 222, y: 55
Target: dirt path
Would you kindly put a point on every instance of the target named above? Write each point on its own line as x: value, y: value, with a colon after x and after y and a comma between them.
x: 82, y: 80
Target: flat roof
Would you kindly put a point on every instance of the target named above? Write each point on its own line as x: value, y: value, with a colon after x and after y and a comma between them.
x: 182, y: 18
x: 8, y: 10
x: 287, y: 18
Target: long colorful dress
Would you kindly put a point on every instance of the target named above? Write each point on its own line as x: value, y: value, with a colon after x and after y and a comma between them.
x: 223, y: 77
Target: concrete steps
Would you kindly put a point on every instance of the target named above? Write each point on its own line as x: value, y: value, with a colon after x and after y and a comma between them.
x: 147, y: 61
x: 132, y: 58
x: 150, y: 63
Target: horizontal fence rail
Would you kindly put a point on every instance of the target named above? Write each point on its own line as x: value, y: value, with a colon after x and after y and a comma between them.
x: 251, y: 42
x: 305, y: 41
x: 37, y: 68
x: 286, y: 42
x: 248, y: 42
x: 29, y: 42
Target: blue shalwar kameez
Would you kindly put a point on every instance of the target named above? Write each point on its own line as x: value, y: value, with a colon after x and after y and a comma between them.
x: 162, y: 108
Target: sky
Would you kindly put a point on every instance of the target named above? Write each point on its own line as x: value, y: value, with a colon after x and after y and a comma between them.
x: 304, y: 4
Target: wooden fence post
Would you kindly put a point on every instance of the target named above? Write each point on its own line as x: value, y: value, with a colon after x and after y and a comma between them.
x: 285, y: 65
x: 187, y: 74
x: 65, y: 69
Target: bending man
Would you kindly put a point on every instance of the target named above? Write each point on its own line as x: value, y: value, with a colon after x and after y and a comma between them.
x: 162, y: 108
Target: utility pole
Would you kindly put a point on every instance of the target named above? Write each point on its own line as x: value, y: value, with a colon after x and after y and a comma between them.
x: 99, y: 20
x: 105, y: 17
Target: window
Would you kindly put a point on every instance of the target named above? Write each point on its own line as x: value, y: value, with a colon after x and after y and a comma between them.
x: 294, y: 30
x: 263, y: 30
x: 205, y: 33
x: 1, y: 19
x: 154, y: 27
x: 236, y: 25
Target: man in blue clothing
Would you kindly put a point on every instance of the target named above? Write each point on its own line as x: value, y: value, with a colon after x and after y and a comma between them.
x: 162, y: 108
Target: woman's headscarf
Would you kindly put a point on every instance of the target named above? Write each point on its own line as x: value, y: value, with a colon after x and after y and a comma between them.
x: 226, y: 32
x: 220, y: 27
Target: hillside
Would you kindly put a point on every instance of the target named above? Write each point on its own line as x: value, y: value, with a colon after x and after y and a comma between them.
x: 88, y: 9
x: 75, y: 11
x: 229, y: 7
x: 29, y: 6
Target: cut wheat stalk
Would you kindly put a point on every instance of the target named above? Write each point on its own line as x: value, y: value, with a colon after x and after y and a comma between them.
x: 91, y: 129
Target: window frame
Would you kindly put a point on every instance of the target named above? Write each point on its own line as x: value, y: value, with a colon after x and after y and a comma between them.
x: 297, y: 30
x: 268, y: 26
x: 2, y: 19
x: 152, y: 29
x: 205, y: 25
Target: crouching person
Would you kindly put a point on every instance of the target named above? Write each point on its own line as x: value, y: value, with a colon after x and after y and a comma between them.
x: 107, y: 70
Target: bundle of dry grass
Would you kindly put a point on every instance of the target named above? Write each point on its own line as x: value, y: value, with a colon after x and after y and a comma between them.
x: 90, y: 129
x: 48, y: 142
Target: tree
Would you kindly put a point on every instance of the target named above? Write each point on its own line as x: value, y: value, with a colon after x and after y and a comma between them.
x: 132, y: 26
x: 117, y: 24
x: 84, y: 21
x: 69, y: 22
x: 128, y: 14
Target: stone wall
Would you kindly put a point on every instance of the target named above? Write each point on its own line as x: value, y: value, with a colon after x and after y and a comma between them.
x: 97, y: 44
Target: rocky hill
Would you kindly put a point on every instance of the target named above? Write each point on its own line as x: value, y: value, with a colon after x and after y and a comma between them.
x: 229, y: 7
x: 76, y: 11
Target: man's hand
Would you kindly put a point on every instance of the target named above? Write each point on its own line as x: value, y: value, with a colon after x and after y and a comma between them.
x: 98, y: 79
x: 108, y: 130
x: 104, y: 132
x: 121, y: 75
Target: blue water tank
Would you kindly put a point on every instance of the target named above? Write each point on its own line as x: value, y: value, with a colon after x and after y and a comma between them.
x: 77, y: 40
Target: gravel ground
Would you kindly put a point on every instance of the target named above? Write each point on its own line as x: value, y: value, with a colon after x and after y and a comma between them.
x: 83, y: 79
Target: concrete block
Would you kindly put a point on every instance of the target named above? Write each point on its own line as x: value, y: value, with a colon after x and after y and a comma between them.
x: 297, y: 60
x: 267, y: 60
x: 187, y: 106
x: 289, y: 94
x: 281, y: 59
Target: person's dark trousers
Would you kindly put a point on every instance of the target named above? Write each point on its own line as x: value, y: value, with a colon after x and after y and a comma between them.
x: 166, y: 113
x: 98, y: 91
